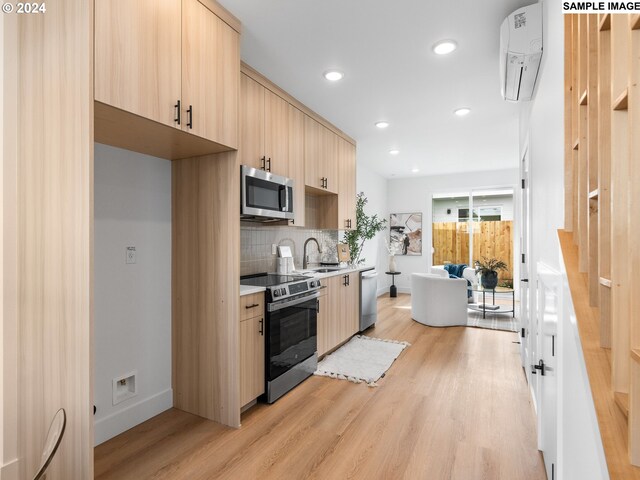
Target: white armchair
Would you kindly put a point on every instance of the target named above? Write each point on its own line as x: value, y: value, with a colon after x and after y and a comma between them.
x: 437, y: 300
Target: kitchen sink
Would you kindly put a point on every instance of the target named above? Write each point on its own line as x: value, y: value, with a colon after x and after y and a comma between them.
x: 326, y: 269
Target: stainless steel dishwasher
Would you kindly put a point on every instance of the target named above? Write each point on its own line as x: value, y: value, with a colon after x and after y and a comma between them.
x: 368, y: 298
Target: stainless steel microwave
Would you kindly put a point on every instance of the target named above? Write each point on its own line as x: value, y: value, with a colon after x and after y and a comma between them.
x: 265, y: 196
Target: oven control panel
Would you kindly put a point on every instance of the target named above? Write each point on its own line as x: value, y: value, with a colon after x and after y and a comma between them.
x: 282, y: 291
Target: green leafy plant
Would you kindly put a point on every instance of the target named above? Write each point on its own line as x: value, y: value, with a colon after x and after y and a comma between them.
x: 486, y: 265
x: 366, y: 228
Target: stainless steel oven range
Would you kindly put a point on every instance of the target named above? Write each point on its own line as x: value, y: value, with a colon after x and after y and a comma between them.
x: 291, y: 316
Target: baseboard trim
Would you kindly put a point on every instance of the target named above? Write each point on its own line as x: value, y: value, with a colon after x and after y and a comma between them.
x: 121, y: 421
x: 9, y: 471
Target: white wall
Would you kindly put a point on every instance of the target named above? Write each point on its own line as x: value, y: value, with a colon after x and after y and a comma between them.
x: 132, y: 301
x: 407, y: 195
x: 374, y: 251
x: 580, y: 454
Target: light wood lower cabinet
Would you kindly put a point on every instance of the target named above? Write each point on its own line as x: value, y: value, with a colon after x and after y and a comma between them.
x: 251, y: 359
x: 323, y: 323
x: 338, y: 318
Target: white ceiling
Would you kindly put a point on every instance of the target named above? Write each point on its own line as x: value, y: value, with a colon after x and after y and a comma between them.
x: 391, y: 73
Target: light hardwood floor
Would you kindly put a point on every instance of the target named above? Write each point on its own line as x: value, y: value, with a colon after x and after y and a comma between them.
x: 455, y: 405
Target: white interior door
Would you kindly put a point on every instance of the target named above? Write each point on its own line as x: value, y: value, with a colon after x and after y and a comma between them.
x: 524, y: 317
x: 549, y: 308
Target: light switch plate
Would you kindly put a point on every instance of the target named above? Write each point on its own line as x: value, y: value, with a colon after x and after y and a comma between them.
x: 131, y: 255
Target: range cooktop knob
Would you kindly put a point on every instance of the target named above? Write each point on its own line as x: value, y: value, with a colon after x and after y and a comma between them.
x: 276, y: 293
x: 283, y: 291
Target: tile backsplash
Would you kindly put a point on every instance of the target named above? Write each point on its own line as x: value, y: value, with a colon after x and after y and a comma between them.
x: 256, y: 243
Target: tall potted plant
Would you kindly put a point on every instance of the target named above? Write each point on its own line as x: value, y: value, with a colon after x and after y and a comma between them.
x: 488, y: 269
x: 366, y: 228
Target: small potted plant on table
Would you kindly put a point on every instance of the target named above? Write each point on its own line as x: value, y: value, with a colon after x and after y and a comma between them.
x: 488, y: 269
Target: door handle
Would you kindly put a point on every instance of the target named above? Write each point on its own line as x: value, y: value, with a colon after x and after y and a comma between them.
x: 190, y: 118
x: 261, y: 322
x: 177, y: 106
x: 540, y: 366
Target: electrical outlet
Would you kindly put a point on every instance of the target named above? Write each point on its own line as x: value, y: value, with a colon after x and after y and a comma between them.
x: 131, y: 255
x: 124, y: 387
x: 274, y: 249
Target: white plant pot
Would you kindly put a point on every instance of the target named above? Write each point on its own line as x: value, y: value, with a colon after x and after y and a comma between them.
x: 392, y: 263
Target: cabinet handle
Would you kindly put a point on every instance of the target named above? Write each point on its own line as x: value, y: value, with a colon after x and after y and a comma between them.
x: 269, y: 164
x: 261, y: 322
x: 190, y: 113
x: 348, y: 280
x: 263, y: 160
x: 252, y: 306
x: 177, y: 119
x: 326, y: 182
x: 344, y: 280
x: 317, y: 306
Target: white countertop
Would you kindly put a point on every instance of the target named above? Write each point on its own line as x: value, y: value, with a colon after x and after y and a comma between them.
x: 248, y: 289
x: 341, y: 271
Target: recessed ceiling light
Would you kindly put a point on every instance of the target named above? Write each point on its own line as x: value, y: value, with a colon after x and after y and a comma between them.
x: 461, y: 112
x: 333, y: 75
x: 444, y: 47
x: 394, y: 152
x: 382, y: 124
x: 415, y: 170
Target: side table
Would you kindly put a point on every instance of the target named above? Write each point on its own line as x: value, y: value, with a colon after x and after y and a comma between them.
x: 393, y: 291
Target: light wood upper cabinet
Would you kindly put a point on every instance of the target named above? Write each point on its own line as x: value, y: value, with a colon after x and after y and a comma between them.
x: 175, y: 62
x: 251, y: 148
x: 264, y: 123
x: 320, y: 157
x: 137, y: 56
x: 276, y: 134
x: 296, y: 163
x: 251, y: 359
x: 347, y: 185
x: 210, y: 75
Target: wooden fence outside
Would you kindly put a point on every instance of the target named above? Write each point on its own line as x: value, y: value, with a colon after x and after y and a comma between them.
x: 450, y: 241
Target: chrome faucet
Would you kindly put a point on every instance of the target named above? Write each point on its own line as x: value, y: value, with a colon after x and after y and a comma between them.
x: 305, y: 257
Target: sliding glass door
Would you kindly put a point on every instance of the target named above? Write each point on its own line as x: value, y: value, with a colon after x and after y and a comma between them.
x: 469, y: 226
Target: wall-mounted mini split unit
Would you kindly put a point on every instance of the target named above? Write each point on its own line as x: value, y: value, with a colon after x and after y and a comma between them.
x: 520, y: 52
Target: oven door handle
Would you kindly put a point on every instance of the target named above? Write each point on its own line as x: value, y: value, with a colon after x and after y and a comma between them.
x: 274, y: 307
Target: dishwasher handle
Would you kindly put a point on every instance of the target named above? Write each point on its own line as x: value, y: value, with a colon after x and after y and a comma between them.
x: 370, y: 275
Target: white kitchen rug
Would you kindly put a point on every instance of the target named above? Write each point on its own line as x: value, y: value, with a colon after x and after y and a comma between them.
x: 361, y: 359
